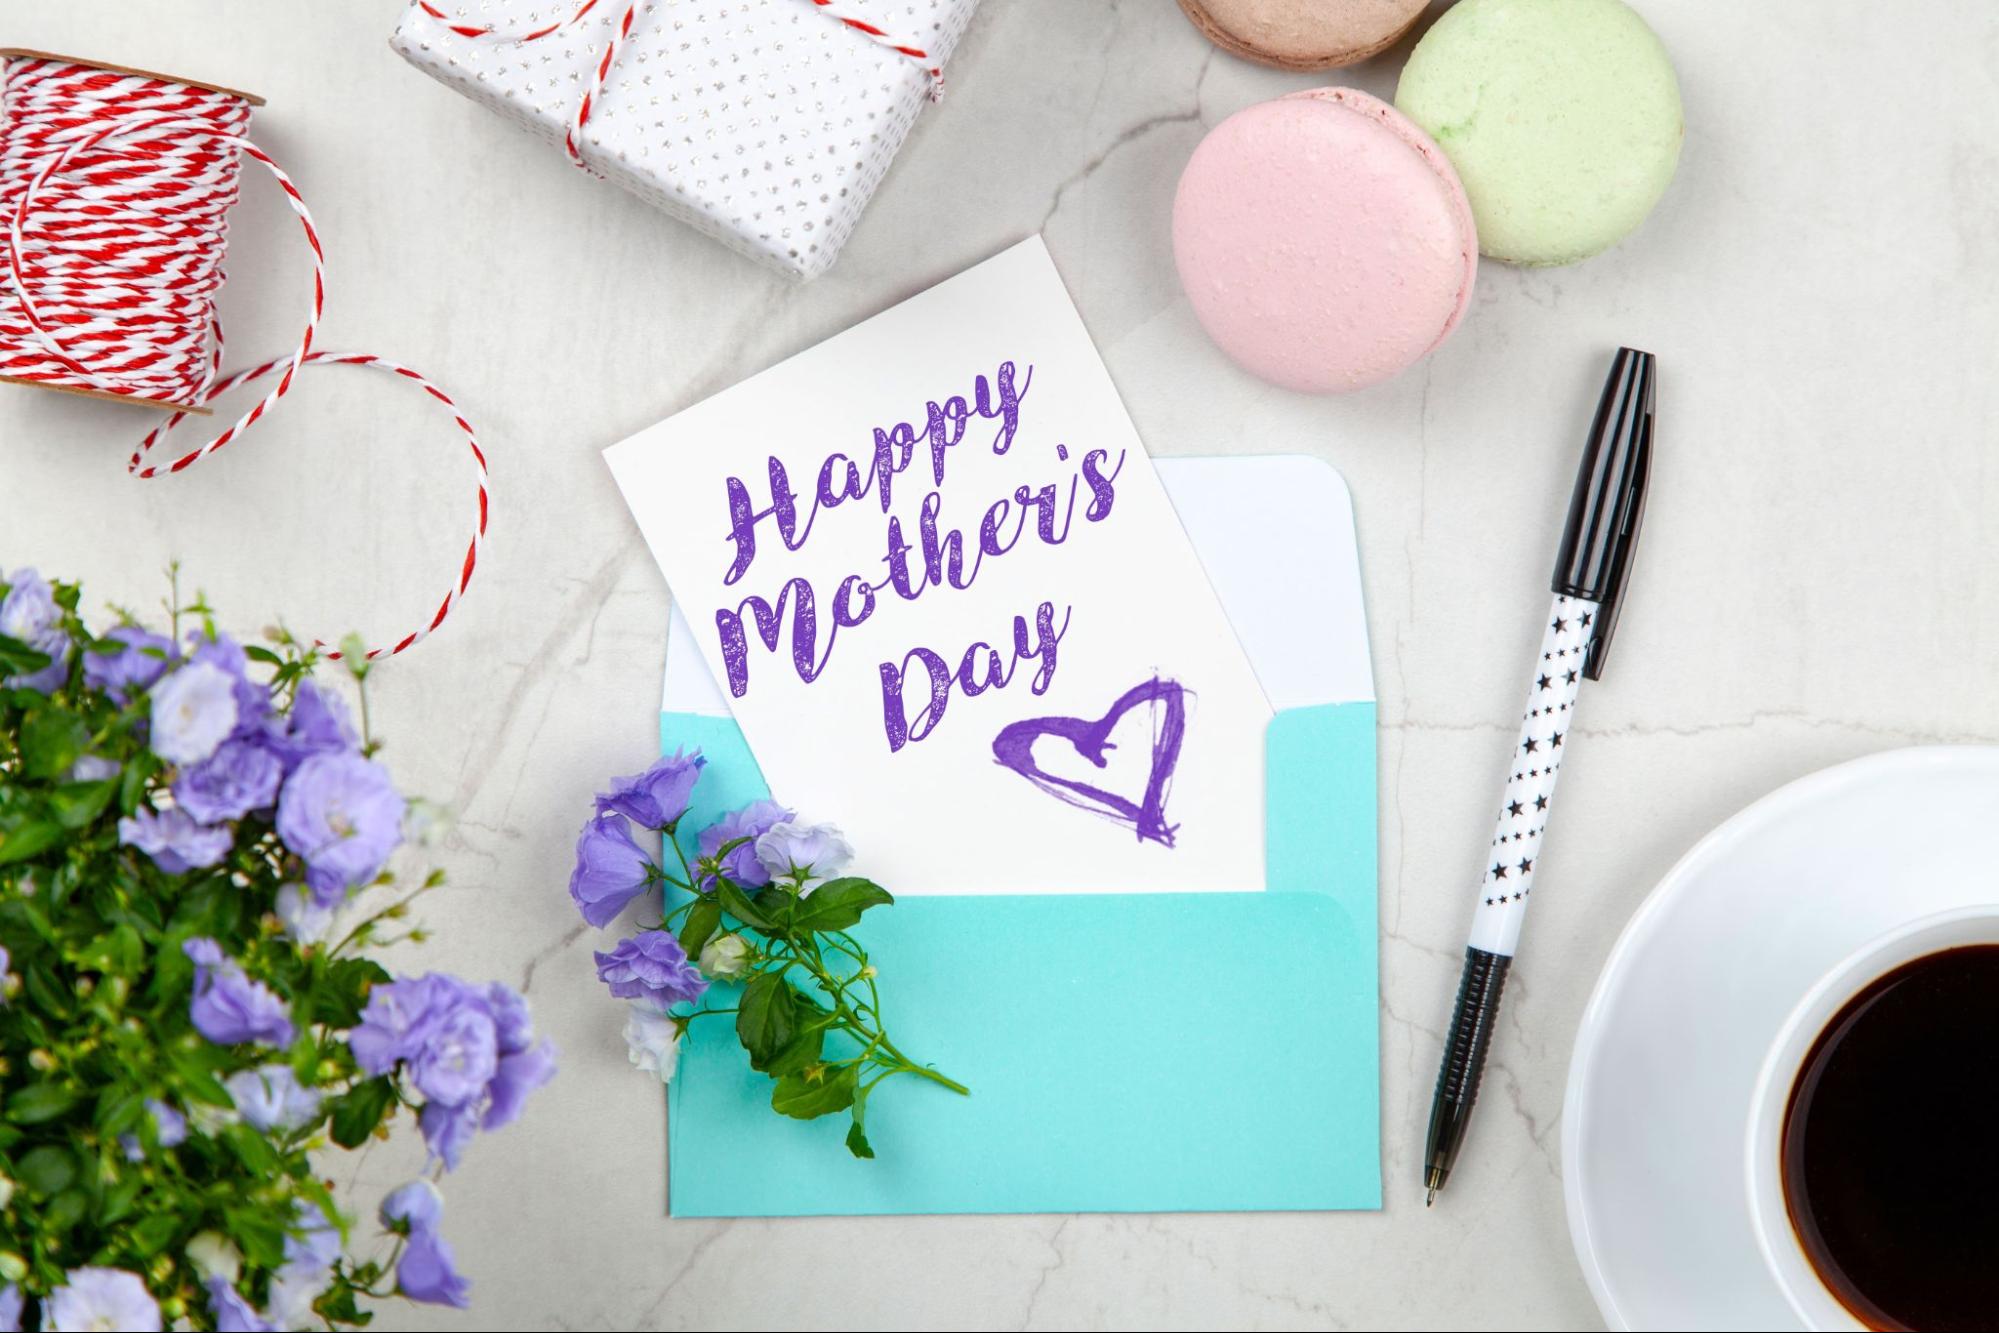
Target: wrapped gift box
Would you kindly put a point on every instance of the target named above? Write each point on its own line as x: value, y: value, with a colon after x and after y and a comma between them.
x: 766, y: 124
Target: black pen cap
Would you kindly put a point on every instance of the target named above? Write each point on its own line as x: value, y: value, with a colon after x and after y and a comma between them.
x: 1608, y: 503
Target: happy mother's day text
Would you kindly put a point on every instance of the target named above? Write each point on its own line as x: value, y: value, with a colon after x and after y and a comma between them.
x: 935, y: 555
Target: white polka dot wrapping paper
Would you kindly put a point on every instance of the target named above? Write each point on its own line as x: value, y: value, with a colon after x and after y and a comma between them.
x: 766, y: 124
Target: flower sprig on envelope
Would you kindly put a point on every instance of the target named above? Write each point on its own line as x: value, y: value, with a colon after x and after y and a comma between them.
x: 763, y: 905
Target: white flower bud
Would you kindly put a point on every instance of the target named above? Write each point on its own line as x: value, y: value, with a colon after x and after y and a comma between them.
x: 215, y: 1255
x: 726, y: 957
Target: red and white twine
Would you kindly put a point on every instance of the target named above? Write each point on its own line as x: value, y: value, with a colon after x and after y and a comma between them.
x: 115, y: 189
x: 600, y: 70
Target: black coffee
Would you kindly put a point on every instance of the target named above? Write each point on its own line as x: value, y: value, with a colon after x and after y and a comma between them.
x: 1891, y: 1147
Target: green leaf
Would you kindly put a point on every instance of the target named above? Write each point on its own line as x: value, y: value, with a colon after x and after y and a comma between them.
x: 118, y: 1111
x: 806, y: 1097
x: 18, y: 659
x: 78, y: 804
x: 800, y: 1053
x: 46, y: 1170
x: 118, y: 950
x: 857, y: 1134
x: 64, y: 1211
x: 736, y: 905
x: 31, y: 838
x: 258, y: 1234
x: 39, y: 1102
x: 357, y: 1111
x: 118, y: 1200
x: 132, y: 783
x: 703, y: 919
x: 838, y: 904
x: 154, y: 1233
x: 338, y: 1000
x: 775, y: 903
x: 337, y: 1306
x: 51, y: 740
x: 766, y: 1017
x: 253, y: 1150
x: 197, y: 1080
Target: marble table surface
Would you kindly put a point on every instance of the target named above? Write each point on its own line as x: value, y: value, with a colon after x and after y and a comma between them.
x: 1818, y: 283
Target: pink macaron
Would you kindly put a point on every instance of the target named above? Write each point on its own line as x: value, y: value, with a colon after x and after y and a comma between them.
x: 1324, y: 241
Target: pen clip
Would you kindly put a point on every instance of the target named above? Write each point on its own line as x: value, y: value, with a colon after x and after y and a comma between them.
x: 1607, y: 507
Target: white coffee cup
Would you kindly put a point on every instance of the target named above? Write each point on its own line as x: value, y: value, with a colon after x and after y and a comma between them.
x: 1769, y: 1214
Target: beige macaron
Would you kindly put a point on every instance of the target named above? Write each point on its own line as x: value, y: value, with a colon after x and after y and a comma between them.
x: 1303, y: 34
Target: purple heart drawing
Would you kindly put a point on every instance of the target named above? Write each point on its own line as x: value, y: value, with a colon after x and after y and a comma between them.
x: 1014, y: 748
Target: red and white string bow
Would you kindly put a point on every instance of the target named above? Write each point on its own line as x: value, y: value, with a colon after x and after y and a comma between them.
x: 593, y: 90
x: 115, y: 190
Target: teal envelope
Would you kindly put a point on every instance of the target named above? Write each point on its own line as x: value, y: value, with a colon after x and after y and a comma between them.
x: 1125, y: 1052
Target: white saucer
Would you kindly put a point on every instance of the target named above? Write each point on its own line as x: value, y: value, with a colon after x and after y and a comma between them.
x: 1694, y: 993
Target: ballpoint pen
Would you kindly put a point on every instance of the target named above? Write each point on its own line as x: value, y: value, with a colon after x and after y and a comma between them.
x: 1594, y: 561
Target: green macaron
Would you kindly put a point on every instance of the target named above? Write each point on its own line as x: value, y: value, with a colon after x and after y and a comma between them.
x: 1562, y: 118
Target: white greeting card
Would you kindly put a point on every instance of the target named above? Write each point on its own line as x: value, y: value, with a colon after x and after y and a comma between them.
x: 953, y: 611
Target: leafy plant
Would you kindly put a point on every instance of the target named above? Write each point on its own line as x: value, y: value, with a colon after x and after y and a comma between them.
x: 762, y: 904
x: 193, y: 850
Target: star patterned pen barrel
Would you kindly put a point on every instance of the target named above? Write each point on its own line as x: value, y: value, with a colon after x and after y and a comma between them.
x: 1605, y: 511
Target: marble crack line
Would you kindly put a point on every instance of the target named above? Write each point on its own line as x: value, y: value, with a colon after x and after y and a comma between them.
x: 1451, y: 956
x: 701, y: 1247
x: 1129, y: 135
x: 1537, y: 1133
x: 569, y: 937
x: 1058, y: 1260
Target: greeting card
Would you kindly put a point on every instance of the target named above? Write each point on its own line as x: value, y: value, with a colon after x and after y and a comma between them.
x: 952, y: 608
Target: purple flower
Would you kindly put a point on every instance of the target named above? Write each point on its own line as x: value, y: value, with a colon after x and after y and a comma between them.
x: 512, y: 1024
x: 253, y: 700
x: 169, y: 1131
x: 412, y: 1207
x: 102, y: 1298
x: 651, y: 966
x: 272, y: 1098
x: 315, y: 1246
x: 29, y: 614
x: 460, y: 1052
x: 468, y: 1049
x: 175, y: 842
x: 518, y: 1074
x: 92, y: 768
x: 239, y: 777
x: 611, y: 869
x: 10, y: 1309
x: 656, y: 798
x: 396, y: 1022
x: 194, y: 710
x: 310, y: 1252
x: 140, y: 658
x: 343, y: 816
x: 740, y: 864
x: 447, y: 1130
x: 790, y: 848
x: 426, y: 1272
x: 318, y: 724
x: 228, y: 1007
x: 231, y: 1313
